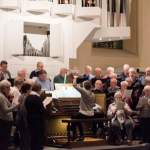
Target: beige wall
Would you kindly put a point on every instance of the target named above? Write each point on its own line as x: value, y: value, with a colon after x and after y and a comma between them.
x: 144, y: 32
x: 131, y: 45
x: 101, y: 57
x: 105, y: 57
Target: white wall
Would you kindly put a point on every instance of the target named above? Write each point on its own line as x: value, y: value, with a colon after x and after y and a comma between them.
x: 11, y: 35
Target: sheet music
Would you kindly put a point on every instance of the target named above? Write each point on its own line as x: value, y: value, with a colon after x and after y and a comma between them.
x: 47, y: 101
x: 65, y: 91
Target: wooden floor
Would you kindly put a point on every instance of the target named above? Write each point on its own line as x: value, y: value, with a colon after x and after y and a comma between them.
x: 108, y: 147
x: 88, y: 141
x: 93, y: 144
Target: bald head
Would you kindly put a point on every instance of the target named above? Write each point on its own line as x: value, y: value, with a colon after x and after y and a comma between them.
x: 22, y: 74
x: 147, y: 71
x: 146, y: 90
x: 63, y: 71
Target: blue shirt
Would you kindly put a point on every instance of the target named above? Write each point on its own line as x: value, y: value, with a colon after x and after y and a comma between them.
x: 45, y: 84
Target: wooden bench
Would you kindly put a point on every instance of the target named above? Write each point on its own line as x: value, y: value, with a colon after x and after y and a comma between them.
x: 69, y: 121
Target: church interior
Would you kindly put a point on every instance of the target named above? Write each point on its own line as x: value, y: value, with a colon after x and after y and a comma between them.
x: 74, y: 74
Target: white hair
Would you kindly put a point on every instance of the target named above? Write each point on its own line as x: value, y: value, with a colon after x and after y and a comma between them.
x: 110, y: 69
x: 124, y: 83
x: 132, y: 69
x: 126, y: 66
x: 88, y: 67
x: 4, y: 84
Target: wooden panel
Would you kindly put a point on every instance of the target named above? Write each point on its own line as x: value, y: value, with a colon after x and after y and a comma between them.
x: 101, y: 100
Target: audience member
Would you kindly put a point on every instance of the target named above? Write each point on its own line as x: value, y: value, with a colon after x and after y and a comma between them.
x: 87, y: 75
x: 35, y: 118
x: 136, y: 87
x: 22, y: 74
x: 98, y: 88
x: 22, y: 124
x: 34, y: 73
x: 15, y: 90
x: 6, y: 73
x: 125, y: 73
x: 98, y: 76
x: 119, y: 111
x: 111, y: 90
x: 62, y: 76
x: 6, y: 116
x: 144, y: 107
x: 45, y: 83
x: 126, y: 94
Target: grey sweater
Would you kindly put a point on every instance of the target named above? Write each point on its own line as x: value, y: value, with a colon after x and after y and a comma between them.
x: 6, y: 108
x: 144, y: 107
x: 87, y: 102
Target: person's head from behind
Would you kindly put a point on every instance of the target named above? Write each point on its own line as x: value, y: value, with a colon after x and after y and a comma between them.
x: 4, y: 65
x: 18, y: 83
x: 63, y: 71
x: 113, y: 82
x: 25, y: 88
x: 42, y: 75
x: 87, y: 85
x: 40, y: 66
x: 5, y: 87
x: 146, y: 90
x: 36, y: 88
x: 98, y: 72
x: 98, y: 84
x: 30, y: 81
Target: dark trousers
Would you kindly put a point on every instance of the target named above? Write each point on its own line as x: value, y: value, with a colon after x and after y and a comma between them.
x: 145, y: 129
x: 78, y: 125
x: 127, y: 128
x: 24, y: 138
x: 36, y: 135
x: 5, y: 128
